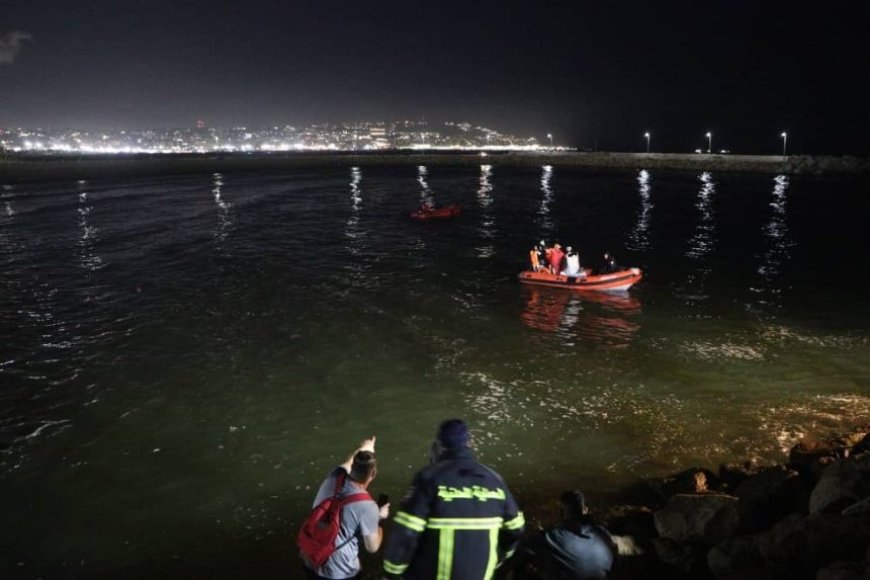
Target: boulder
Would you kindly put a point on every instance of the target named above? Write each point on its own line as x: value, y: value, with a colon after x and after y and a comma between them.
x: 687, y: 558
x: 768, y: 496
x: 706, y: 519
x: 861, y: 508
x: 843, y: 571
x: 862, y: 446
x: 800, y: 544
x: 841, y: 485
x: 738, y: 557
x: 733, y: 474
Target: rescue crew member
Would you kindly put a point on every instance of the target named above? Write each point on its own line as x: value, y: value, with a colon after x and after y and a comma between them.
x: 534, y: 258
x: 457, y: 519
x: 609, y: 263
x: 572, y: 263
x: 556, y: 256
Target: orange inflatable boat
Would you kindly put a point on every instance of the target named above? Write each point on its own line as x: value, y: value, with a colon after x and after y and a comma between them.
x: 448, y: 211
x: 614, y: 281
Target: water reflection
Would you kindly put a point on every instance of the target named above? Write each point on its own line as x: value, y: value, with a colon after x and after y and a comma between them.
x: 425, y: 191
x: 639, y: 237
x: 701, y: 244
x: 7, y: 204
x: 545, y: 221
x: 778, y: 245
x: 352, y: 230
x: 88, y: 259
x: 225, y: 218
x: 487, y: 221
x: 602, y: 319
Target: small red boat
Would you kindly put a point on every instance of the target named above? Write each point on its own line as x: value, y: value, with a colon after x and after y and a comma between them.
x: 447, y: 211
x: 613, y: 281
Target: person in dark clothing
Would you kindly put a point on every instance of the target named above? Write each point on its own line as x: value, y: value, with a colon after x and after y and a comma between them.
x: 576, y: 549
x: 457, y: 519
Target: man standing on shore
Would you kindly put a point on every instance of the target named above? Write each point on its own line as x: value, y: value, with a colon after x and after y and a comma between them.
x: 457, y: 518
x: 359, y: 519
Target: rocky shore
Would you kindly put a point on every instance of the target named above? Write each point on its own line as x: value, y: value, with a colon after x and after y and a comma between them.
x: 807, y: 518
x: 28, y: 168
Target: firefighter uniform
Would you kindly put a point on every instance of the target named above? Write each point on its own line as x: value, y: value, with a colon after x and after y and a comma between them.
x: 456, y: 522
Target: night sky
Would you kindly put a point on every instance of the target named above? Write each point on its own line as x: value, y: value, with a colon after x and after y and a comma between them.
x: 594, y: 73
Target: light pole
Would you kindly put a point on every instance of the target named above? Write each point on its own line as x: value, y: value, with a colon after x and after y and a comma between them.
x: 550, y: 137
x: 784, y: 141
x: 647, y: 141
x: 709, y: 142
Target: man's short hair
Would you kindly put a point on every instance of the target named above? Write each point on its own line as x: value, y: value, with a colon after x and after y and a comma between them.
x: 573, y: 504
x: 364, y: 466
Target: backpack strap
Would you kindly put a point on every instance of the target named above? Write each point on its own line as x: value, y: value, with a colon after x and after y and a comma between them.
x: 343, y: 501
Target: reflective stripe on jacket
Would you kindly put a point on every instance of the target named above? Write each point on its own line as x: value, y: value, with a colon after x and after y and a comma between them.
x: 456, y: 522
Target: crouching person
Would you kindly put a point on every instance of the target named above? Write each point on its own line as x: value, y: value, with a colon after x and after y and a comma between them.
x: 575, y: 549
x: 343, y: 512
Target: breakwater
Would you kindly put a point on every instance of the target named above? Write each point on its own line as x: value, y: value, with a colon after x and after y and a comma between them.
x: 808, y: 517
x: 29, y: 168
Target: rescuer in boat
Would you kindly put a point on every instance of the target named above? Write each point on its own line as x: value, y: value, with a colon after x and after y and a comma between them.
x: 555, y: 258
x: 535, y: 258
x: 572, y: 264
x: 609, y: 264
x: 543, y: 255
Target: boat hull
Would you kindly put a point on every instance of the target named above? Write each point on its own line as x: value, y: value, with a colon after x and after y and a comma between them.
x: 448, y: 211
x: 618, y: 281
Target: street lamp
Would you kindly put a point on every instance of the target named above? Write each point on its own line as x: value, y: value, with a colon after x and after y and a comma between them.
x: 784, y: 141
x: 709, y: 142
x: 647, y: 141
x: 550, y: 137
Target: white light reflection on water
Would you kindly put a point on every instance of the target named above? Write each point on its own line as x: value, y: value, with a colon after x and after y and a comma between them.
x: 487, y: 221
x: 545, y: 221
x: 701, y: 244
x: 426, y: 195
x: 88, y: 259
x: 352, y: 231
x: 778, y: 247
x: 639, y: 237
x: 225, y: 218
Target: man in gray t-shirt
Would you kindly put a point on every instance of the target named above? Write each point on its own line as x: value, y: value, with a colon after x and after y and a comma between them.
x: 359, y: 519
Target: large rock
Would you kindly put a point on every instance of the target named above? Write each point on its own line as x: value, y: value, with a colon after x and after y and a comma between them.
x: 733, y: 474
x: 705, y: 519
x: 687, y: 558
x: 841, y: 485
x: 799, y: 545
x: 738, y: 557
x: 768, y: 496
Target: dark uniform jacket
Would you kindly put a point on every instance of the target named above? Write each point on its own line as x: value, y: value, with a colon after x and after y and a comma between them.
x: 574, y: 550
x: 456, y: 522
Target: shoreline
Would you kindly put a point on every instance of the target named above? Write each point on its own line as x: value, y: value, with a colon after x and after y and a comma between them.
x: 807, y: 516
x: 17, y: 168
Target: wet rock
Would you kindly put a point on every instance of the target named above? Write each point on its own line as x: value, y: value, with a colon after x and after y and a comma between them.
x: 841, y: 485
x: 733, y: 474
x: 738, y: 557
x: 631, y: 521
x: 862, y: 446
x: 861, y: 508
x: 687, y: 558
x: 694, y: 480
x: 705, y: 519
x: 768, y: 496
x: 799, y: 544
x: 844, y: 571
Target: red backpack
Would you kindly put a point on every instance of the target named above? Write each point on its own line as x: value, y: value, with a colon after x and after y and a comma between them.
x: 316, y: 539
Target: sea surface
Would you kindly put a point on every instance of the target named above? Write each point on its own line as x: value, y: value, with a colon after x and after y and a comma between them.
x: 182, y: 360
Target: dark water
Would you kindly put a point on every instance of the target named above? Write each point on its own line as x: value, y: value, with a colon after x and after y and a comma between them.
x: 183, y: 359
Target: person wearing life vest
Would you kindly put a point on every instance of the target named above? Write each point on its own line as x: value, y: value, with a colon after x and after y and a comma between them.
x: 534, y: 259
x: 556, y: 256
x: 457, y: 521
x: 360, y: 519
